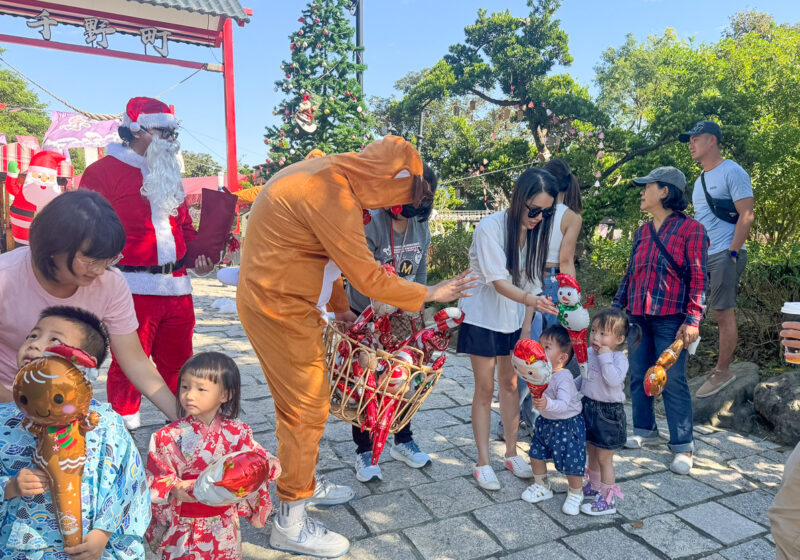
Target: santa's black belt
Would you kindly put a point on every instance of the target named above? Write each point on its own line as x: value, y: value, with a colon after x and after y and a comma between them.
x: 168, y: 268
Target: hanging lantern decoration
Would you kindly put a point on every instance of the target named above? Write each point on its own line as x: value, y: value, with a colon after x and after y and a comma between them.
x: 597, y: 184
x: 549, y: 112
x: 601, y: 136
x: 601, y: 146
x: 598, y: 174
x: 456, y: 110
x: 472, y: 104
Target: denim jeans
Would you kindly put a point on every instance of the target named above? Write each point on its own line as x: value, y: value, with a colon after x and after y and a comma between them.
x: 657, y: 334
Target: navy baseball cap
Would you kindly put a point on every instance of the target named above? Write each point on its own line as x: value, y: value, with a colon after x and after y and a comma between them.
x: 702, y: 127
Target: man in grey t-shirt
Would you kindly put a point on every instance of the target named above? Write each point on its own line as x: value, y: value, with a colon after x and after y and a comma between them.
x: 727, y: 254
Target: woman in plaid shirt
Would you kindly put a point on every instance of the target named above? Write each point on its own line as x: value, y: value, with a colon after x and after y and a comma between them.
x: 666, y: 299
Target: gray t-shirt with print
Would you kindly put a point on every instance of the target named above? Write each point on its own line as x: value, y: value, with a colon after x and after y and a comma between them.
x: 726, y: 181
x: 410, y: 251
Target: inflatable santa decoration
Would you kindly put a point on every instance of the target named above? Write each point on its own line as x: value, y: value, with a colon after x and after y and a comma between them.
x: 532, y: 366
x: 574, y: 317
x: 38, y: 189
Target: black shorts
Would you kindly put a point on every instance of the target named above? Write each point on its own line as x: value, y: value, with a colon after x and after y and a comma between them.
x: 606, y: 426
x: 484, y: 342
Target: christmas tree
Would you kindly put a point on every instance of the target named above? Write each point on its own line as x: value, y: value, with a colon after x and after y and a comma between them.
x: 324, y: 106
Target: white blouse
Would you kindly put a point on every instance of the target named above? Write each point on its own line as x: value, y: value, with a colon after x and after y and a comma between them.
x: 487, y: 259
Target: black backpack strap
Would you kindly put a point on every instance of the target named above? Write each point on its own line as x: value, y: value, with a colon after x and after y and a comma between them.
x: 681, y: 271
x: 723, y: 209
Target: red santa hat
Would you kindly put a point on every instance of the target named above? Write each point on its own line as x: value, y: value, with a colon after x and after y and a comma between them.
x: 45, y: 162
x: 146, y: 112
x: 567, y: 281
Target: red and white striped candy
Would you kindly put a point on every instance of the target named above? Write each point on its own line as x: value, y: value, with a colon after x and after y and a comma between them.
x: 448, y: 318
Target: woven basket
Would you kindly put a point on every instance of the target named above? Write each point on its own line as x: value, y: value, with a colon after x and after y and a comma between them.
x: 351, y: 404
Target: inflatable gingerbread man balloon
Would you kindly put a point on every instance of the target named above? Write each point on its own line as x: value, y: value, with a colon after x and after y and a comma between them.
x: 532, y: 366
x: 55, y: 395
x: 656, y: 377
x: 574, y: 317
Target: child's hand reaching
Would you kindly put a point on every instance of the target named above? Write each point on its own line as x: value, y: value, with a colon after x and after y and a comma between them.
x: 604, y: 350
x: 181, y: 491
x: 28, y: 482
x: 540, y: 404
x: 92, y: 547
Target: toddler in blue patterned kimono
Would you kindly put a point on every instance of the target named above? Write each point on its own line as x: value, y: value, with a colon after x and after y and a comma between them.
x: 116, y: 501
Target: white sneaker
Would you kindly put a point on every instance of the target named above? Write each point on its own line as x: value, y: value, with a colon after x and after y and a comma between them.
x: 365, y: 470
x: 537, y: 493
x: 637, y: 442
x: 309, y: 537
x: 410, y: 454
x: 132, y: 421
x: 681, y: 463
x: 572, y: 504
x: 518, y: 466
x: 326, y: 493
x: 486, y: 478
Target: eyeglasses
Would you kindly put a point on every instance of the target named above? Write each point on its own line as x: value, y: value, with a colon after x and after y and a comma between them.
x: 545, y: 212
x: 98, y: 264
x: 164, y: 133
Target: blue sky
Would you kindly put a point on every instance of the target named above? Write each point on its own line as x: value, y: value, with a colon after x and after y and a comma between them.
x: 399, y: 35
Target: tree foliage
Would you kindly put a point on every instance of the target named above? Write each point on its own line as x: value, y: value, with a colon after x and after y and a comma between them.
x: 199, y: 164
x: 32, y: 120
x: 321, y: 67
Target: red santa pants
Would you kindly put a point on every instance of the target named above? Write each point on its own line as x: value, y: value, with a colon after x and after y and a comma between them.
x: 165, y: 331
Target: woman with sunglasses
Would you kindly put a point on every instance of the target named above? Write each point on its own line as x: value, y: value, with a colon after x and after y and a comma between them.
x: 508, y: 254
x: 74, y: 241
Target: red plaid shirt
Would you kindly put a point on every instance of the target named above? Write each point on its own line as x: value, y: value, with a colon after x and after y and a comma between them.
x: 651, y: 286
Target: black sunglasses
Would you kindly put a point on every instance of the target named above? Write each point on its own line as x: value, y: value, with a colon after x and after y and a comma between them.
x: 545, y: 212
x: 165, y: 133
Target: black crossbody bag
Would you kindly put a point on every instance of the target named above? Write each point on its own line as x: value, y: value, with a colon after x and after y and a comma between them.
x: 723, y: 208
x: 682, y: 271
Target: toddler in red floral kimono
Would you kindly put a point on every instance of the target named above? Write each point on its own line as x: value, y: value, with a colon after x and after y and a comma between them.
x: 183, y: 528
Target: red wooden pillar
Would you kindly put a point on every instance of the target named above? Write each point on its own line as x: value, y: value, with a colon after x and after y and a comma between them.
x: 230, y: 107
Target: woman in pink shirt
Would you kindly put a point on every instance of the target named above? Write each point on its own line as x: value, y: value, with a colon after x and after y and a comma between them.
x: 74, y: 241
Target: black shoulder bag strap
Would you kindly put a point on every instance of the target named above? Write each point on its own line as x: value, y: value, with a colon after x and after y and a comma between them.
x: 682, y: 271
x: 723, y: 209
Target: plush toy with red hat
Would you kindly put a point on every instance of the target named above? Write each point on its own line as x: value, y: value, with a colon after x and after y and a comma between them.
x: 146, y: 112
x: 39, y: 188
x: 574, y: 317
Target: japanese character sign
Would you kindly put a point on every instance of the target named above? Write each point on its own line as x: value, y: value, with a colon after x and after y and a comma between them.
x: 44, y: 21
x: 97, y: 28
x: 149, y: 36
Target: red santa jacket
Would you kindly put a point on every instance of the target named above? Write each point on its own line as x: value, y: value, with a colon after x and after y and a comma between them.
x: 21, y: 212
x: 118, y: 177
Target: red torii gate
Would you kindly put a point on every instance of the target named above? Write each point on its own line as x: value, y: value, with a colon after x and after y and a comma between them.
x: 206, y: 23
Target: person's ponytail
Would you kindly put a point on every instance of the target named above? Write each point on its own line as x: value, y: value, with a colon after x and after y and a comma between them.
x: 567, y: 183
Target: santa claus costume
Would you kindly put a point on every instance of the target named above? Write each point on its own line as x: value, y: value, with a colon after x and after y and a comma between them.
x: 39, y: 188
x: 147, y: 194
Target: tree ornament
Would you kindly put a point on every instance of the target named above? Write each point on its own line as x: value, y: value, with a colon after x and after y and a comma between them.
x: 325, y: 31
x: 288, y: 76
x: 601, y: 146
x: 530, y: 105
x: 300, y: 32
x: 589, y: 133
x: 301, y: 20
x: 282, y: 134
x: 305, y: 115
x: 305, y: 44
x: 291, y: 151
x: 330, y: 99
x: 282, y: 68
x: 319, y: 46
x: 601, y: 136
x: 359, y: 109
x: 597, y: 183
x: 297, y: 131
x: 549, y: 112
x: 327, y: 111
x: 598, y: 174
x: 316, y: 20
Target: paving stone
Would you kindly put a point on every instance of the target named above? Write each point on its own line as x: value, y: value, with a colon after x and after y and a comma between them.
x: 451, y: 497
x: 707, y: 451
x: 390, y: 545
x: 777, y: 455
x: 450, y: 463
x: 511, y: 487
x: 761, y: 469
x: 625, y: 468
x: 457, y: 538
x: 548, y: 551
x: 672, y: 536
x: 462, y: 413
x: 720, y: 522
x: 437, y: 399
x: 680, y: 490
x: 338, y: 431
x: 458, y: 435
x: 757, y: 549
x: 608, y: 544
x: 654, y: 459
x: 328, y: 460
x: 348, y: 478
x: 433, y: 419
x: 432, y: 441
x: 518, y: 524
x: 753, y: 505
x: 552, y: 508
x: 390, y: 512
x: 737, y: 445
x: 720, y: 476
x: 639, y: 502
x: 396, y: 476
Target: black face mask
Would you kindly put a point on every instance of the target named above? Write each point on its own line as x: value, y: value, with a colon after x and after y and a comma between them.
x: 422, y: 212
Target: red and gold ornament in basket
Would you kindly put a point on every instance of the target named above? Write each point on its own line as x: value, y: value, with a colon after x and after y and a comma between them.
x: 54, y: 394
x: 656, y: 377
x: 532, y: 366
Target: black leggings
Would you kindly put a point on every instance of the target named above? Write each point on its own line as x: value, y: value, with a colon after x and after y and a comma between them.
x: 363, y: 442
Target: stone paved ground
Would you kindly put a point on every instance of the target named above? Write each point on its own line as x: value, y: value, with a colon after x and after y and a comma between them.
x: 719, y: 512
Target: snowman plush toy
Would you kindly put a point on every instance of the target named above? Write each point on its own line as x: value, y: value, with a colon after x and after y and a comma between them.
x: 574, y: 317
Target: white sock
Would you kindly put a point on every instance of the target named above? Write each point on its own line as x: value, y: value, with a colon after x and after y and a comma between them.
x: 291, y: 512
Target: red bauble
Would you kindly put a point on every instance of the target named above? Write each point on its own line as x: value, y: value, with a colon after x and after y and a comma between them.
x: 366, y: 217
x: 395, y: 209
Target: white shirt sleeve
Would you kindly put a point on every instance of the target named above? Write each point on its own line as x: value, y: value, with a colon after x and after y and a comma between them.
x: 489, y: 251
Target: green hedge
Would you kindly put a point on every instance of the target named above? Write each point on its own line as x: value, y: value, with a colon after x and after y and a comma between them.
x: 449, y: 253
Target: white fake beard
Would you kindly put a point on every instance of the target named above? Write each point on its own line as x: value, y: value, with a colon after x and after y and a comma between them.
x: 39, y: 194
x: 162, y: 187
